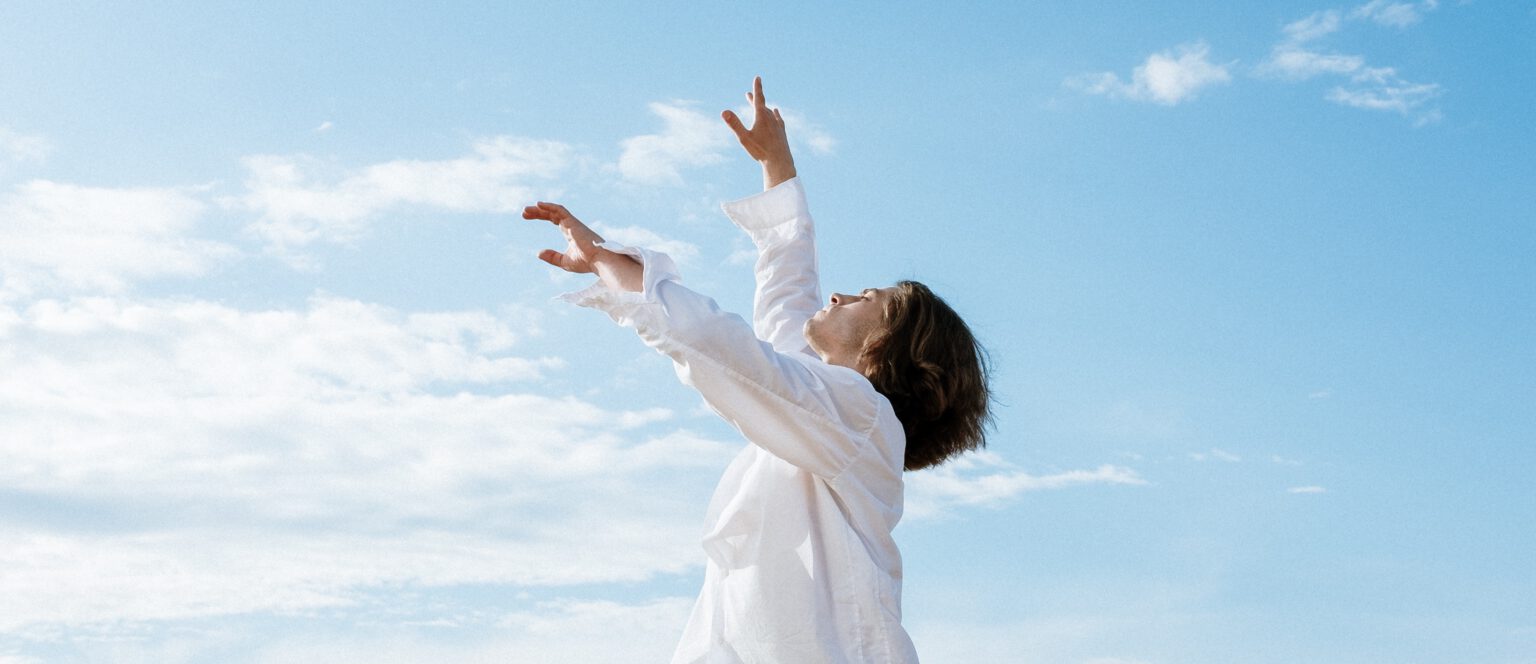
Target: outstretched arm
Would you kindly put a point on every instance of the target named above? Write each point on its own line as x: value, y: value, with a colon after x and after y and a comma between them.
x: 788, y: 292
x: 809, y: 413
x: 766, y: 141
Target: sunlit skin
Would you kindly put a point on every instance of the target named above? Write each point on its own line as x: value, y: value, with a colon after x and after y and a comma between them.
x: 837, y: 332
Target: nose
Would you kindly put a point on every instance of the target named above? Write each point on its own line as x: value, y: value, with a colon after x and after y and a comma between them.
x: 839, y: 298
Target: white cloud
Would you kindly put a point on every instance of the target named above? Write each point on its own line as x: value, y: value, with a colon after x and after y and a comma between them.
x: 1397, y: 96
x: 1394, y: 14
x: 742, y: 256
x: 637, y: 236
x: 17, y: 148
x: 1217, y: 454
x: 301, y: 200
x: 688, y: 139
x: 1306, y: 489
x: 55, y: 235
x: 1165, y: 78
x: 182, y: 459
x: 1120, y: 623
x: 1319, y: 24
x: 1298, y: 64
x: 985, y: 479
x: 1295, y: 58
x: 801, y: 130
x: 554, y: 631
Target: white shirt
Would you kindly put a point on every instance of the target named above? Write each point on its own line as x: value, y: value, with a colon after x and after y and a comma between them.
x: 801, y: 567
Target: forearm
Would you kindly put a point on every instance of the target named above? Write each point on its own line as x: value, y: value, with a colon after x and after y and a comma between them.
x: 787, y: 293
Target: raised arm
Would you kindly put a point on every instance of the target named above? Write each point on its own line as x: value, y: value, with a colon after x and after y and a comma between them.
x: 788, y: 289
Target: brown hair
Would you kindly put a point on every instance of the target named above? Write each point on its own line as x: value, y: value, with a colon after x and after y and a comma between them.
x: 935, y: 374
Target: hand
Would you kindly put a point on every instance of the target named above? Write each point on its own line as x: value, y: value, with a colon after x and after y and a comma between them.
x: 766, y: 141
x: 581, y: 251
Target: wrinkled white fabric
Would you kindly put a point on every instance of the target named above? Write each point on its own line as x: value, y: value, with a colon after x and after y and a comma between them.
x: 800, y: 564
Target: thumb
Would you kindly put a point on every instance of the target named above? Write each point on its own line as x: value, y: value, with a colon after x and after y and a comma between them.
x: 553, y: 257
x: 735, y: 124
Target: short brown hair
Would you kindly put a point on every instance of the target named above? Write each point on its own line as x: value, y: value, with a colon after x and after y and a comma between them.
x: 935, y: 374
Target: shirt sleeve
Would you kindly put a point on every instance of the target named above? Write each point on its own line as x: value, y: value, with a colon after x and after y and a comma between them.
x: 788, y: 289
x: 814, y: 415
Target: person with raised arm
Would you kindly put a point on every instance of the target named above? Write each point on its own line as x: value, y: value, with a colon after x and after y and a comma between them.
x: 835, y: 402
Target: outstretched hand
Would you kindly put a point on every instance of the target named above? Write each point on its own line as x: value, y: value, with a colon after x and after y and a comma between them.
x: 581, y: 249
x: 766, y: 141
x: 582, y: 255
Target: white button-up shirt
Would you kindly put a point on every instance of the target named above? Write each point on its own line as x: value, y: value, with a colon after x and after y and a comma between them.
x: 801, y: 567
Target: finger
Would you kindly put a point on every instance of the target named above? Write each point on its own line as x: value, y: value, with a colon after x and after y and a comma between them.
x: 757, y: 91
x: 537, y: 211
x: 557, y: 214
x: 735, y: 124
x: 778, y: 116
x: 555, y: 208
x: 553, y: 257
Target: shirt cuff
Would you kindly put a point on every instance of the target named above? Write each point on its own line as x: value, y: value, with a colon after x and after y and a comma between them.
x: 784, y: 202
x: 656, y: 267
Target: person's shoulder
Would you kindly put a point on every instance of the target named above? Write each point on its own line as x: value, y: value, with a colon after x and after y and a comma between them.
x: 849, y: 390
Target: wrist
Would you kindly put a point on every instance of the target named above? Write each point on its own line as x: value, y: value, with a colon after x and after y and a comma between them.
x: 776, y: 172
x: 619, y: 271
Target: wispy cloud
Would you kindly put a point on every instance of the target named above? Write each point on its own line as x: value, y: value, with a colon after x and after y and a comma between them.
x: 1166, y: 78
x: 1297, y: 57
x: 1295, y: 63
x: 1216, y: 454
x: 688, y: 139
x: 1394, y: 14
x: 62, y: 236
x: 985, y: 479
x: 18, y: 148
x: 803, y: 131
x: 1392, y: 94
x: 1306, y: 489
x: 691, y: 139
x: 644, y: 237
x: 301, y: 200
x: 1317, y: 25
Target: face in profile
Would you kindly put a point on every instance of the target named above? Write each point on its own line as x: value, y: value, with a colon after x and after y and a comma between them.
x: 838, y: 332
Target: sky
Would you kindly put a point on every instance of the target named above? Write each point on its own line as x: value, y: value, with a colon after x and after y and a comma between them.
x: 281, y: 379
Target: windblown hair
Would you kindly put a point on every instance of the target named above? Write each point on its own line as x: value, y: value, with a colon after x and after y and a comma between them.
x: 935, y: 374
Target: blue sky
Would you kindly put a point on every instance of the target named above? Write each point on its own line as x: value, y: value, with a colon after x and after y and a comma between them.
x: 282, y: 381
